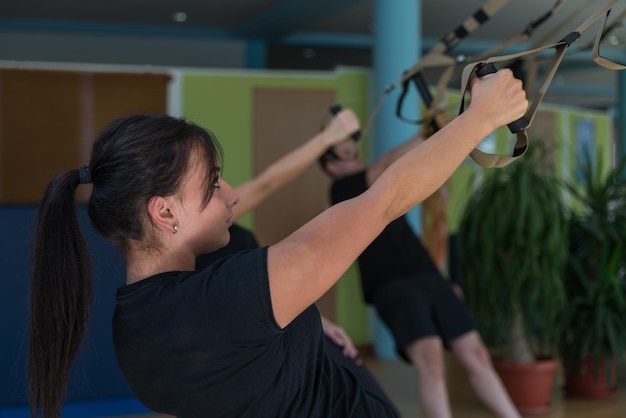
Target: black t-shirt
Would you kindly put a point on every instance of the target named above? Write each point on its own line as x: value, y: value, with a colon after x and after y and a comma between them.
x: 205, y: 344
x: 396, y: 253
x: 240, y: 239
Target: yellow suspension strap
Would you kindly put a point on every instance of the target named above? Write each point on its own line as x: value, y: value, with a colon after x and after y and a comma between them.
x: 437, y: 58
x: 531, y: 62
x: 437, y: 106
x: 433, y: 59
x: 520, y: 127
x: 617, y: 22
x: 594, y: 46
x: 524, y: 35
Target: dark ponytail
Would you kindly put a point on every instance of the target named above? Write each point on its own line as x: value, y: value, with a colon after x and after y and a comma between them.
x: 61, y: 285
x: 133, y: 159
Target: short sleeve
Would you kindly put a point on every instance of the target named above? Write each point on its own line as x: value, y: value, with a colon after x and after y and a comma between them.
x: 239, y: 300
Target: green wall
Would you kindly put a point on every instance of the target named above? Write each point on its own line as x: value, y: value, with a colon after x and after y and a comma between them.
x: 222, y: 102
x: 566, y: 137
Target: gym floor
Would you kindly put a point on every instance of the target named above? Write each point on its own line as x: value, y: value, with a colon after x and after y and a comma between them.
x: 399, y: 382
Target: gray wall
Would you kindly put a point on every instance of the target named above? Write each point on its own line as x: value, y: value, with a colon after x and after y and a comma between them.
x: 134, y: 49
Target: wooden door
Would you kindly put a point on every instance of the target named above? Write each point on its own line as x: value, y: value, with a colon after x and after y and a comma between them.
x: 49, y: 120
x: 282, y: 120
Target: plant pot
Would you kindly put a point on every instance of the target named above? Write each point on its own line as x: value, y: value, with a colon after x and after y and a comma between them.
x: 582, y: 382
x: 529, y: 384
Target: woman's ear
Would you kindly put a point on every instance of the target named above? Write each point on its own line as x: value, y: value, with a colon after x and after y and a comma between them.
x: 161, y: 212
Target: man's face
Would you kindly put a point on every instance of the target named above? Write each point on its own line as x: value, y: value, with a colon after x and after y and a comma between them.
x: 346, y: 151
x: 348, y: 160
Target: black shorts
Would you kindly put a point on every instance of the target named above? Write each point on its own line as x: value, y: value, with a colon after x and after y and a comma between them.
x: 418, y: 307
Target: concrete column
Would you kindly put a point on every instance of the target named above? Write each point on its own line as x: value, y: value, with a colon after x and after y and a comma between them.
x: 620, y: 115
x: 397, y: 47
x: 256, y: 54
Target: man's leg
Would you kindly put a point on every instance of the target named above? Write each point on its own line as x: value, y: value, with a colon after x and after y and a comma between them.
x: 426, y: 356
x: 474, y: 357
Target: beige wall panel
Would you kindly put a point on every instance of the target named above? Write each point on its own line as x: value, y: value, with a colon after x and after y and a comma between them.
x: 282, y: 120
x: 40, y: 130
x: 49, y: 120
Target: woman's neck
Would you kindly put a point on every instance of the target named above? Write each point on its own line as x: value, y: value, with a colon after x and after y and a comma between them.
x: 141, y: 264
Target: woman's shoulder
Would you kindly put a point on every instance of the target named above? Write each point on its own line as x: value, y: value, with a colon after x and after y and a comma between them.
x: 252, y: 260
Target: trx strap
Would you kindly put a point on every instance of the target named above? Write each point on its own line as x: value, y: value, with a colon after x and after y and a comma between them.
x: 522, y: 36
x: 520, y: 126
x: 532, y: 62
x: 449, y: 64
x: 517, y: 66
x: 434, y: 58
x: 604, y: 62
x: 437, y: 57
x: 616, y: 23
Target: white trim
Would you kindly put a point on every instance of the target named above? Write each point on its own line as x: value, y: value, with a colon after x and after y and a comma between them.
x: 175, y: 94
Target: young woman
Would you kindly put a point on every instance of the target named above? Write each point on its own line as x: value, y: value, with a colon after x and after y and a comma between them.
x: 242, y: 337
x: 253, y: 192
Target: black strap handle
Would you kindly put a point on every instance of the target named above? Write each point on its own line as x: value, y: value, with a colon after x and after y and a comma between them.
x: 517, y: 125
x: 427, y: 98
x: 336, y: 108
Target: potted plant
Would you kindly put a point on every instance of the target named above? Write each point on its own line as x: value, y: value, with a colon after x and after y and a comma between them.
x: 594, y: 338
x: 513, y: 249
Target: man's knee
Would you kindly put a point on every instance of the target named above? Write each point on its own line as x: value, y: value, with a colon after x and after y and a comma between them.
x: 471, y: 351
x: 426, y: 355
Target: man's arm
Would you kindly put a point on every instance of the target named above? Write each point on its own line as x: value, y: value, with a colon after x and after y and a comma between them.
x: 292, y: 164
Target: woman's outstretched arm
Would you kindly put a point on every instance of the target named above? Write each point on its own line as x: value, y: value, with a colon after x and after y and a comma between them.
x: 303, y: 266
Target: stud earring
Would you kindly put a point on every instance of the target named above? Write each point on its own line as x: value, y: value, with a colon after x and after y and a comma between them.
x: 175, y: 228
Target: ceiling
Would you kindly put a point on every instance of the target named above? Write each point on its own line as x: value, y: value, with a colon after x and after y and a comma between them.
x: 324, y: 34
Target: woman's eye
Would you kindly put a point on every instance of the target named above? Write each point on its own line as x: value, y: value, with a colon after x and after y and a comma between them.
x: 215, y: 183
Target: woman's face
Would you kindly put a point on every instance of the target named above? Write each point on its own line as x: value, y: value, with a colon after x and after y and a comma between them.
x: 205, y: 227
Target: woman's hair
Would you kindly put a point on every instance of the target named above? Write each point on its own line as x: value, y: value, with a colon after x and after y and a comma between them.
x: 133, y: 159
